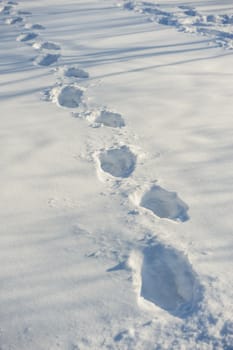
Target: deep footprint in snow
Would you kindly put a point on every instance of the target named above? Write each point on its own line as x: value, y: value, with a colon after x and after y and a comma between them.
x: 191, y: 12
x: 165, y: 204
x: 74, y: 72
x: 119, y: 162
x: 47, y: 45
x: 26, y: 36
x: 226, y: 19
x: 6, y: 10
x: 14, y: 20
x: 35, y: 26
x: 129, y: 5
x: 107, y: 118
x: 69, y: 96
x: 165, y: 278
x: 47, y: 59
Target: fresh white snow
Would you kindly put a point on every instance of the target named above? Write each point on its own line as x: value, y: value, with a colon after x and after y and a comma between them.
x: 116, y: 199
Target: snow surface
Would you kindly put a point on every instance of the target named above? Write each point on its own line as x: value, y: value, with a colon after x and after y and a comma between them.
x: 119, y: 236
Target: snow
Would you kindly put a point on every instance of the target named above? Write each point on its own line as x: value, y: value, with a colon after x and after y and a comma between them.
x: 116, y: 199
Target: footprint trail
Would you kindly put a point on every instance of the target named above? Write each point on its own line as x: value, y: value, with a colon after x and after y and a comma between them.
x: 162, y: 275
x: 218, y: 28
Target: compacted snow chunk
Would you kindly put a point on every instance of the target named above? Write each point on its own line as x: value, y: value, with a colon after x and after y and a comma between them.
x: 119, y: 162
x: 165, y: 204
x: 168, y: 280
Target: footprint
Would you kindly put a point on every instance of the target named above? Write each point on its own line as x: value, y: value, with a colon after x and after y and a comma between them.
x: 126, y: 335
x: 46, y: 59
x: 227, y: 19
x: 164, y: 277
x: 129, y: 5
x: 111, y: 119
x: 26, y: 36
x: 47, y: 45
x: 69, y: 96
x: 34, y: 26
x: 167, y: 21
x: 212, y: 18
x: 165, y: 204
x: 106, y: 118
x: 6, y: 10
x: 14, y: 20
x: 119, y: 162
x: 74, y: 72
x: 191, y: 12
x: 74, y: 347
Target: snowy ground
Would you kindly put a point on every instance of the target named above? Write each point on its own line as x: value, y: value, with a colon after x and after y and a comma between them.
x: 117, y: 175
